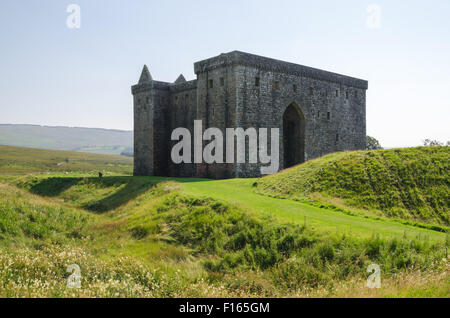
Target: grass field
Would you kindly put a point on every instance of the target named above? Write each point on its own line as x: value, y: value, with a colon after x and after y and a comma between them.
x: 17, y: 160
x: 169, y: 237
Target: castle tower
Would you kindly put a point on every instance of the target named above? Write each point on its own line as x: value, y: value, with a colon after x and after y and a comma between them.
x: 150, y: 116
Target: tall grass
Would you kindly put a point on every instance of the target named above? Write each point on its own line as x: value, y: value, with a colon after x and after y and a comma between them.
x: 26, y: 219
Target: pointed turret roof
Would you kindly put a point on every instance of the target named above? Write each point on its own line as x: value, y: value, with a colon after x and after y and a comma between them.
x: 180, y: 79
x: 145, y: 76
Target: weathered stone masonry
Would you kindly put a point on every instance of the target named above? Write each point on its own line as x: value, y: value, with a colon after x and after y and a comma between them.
x: 317, y: 112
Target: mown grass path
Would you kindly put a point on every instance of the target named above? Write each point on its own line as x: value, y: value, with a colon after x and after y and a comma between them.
x: 241, y: 192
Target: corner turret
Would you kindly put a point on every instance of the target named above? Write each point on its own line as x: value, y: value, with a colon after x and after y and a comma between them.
x: 150, y: 99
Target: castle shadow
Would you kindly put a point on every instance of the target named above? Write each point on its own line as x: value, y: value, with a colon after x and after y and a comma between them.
x: 52, y: 187
x: 132, y: 189
x: 129, y: 189
x: 191, y: 179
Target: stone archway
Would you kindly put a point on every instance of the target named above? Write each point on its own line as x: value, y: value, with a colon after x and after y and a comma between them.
x: 293, y: 136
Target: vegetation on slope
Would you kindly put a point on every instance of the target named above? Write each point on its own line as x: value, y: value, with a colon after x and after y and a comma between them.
x: 163, y: 237
x: 410, y: 183
x: 111, y: 193
x: 164, y: 243
x: 24, y: 217
x: 240, y: 240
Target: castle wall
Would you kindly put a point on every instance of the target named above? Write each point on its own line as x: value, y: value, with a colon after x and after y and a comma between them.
x: 215, y: 108
x: 334, y: 112
x: 182, y: 112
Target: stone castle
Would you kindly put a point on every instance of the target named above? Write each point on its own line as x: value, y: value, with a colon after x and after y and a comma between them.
x: 317, y: 112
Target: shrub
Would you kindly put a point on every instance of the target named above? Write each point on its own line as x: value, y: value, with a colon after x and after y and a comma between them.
x: 139, y: 232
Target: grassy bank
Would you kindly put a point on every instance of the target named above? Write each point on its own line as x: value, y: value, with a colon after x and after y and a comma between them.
x: 410, y: 184
x: 167, y: 243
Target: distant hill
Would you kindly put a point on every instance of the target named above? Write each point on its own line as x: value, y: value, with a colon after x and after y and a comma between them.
x: 94, y: 140
x: 407, y: 183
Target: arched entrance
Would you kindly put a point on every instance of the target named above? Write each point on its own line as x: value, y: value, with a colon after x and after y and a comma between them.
x: 293, y: 136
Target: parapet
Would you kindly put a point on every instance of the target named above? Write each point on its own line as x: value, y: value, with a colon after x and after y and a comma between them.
x: 183, y: 86
x: 269, y: 64
x: 148, y: 86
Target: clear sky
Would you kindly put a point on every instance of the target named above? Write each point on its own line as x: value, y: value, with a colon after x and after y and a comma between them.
x: 54, y: 75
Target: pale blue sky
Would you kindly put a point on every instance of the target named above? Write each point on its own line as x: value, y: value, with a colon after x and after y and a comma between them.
x: 53, y: 75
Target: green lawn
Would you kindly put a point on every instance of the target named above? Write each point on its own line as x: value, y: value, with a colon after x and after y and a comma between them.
x: 241, y: 191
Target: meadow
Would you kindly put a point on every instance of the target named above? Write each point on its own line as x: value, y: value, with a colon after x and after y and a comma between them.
x: 186, y: 237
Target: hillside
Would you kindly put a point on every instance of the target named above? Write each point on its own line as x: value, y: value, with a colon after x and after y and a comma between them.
x: 146, y: 237
x: 94, y: 140
x: 187, y: 237
x: 409, y: 183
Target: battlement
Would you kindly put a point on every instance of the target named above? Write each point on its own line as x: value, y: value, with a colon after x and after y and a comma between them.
x: 184, y: 86
x: 273, y: 65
